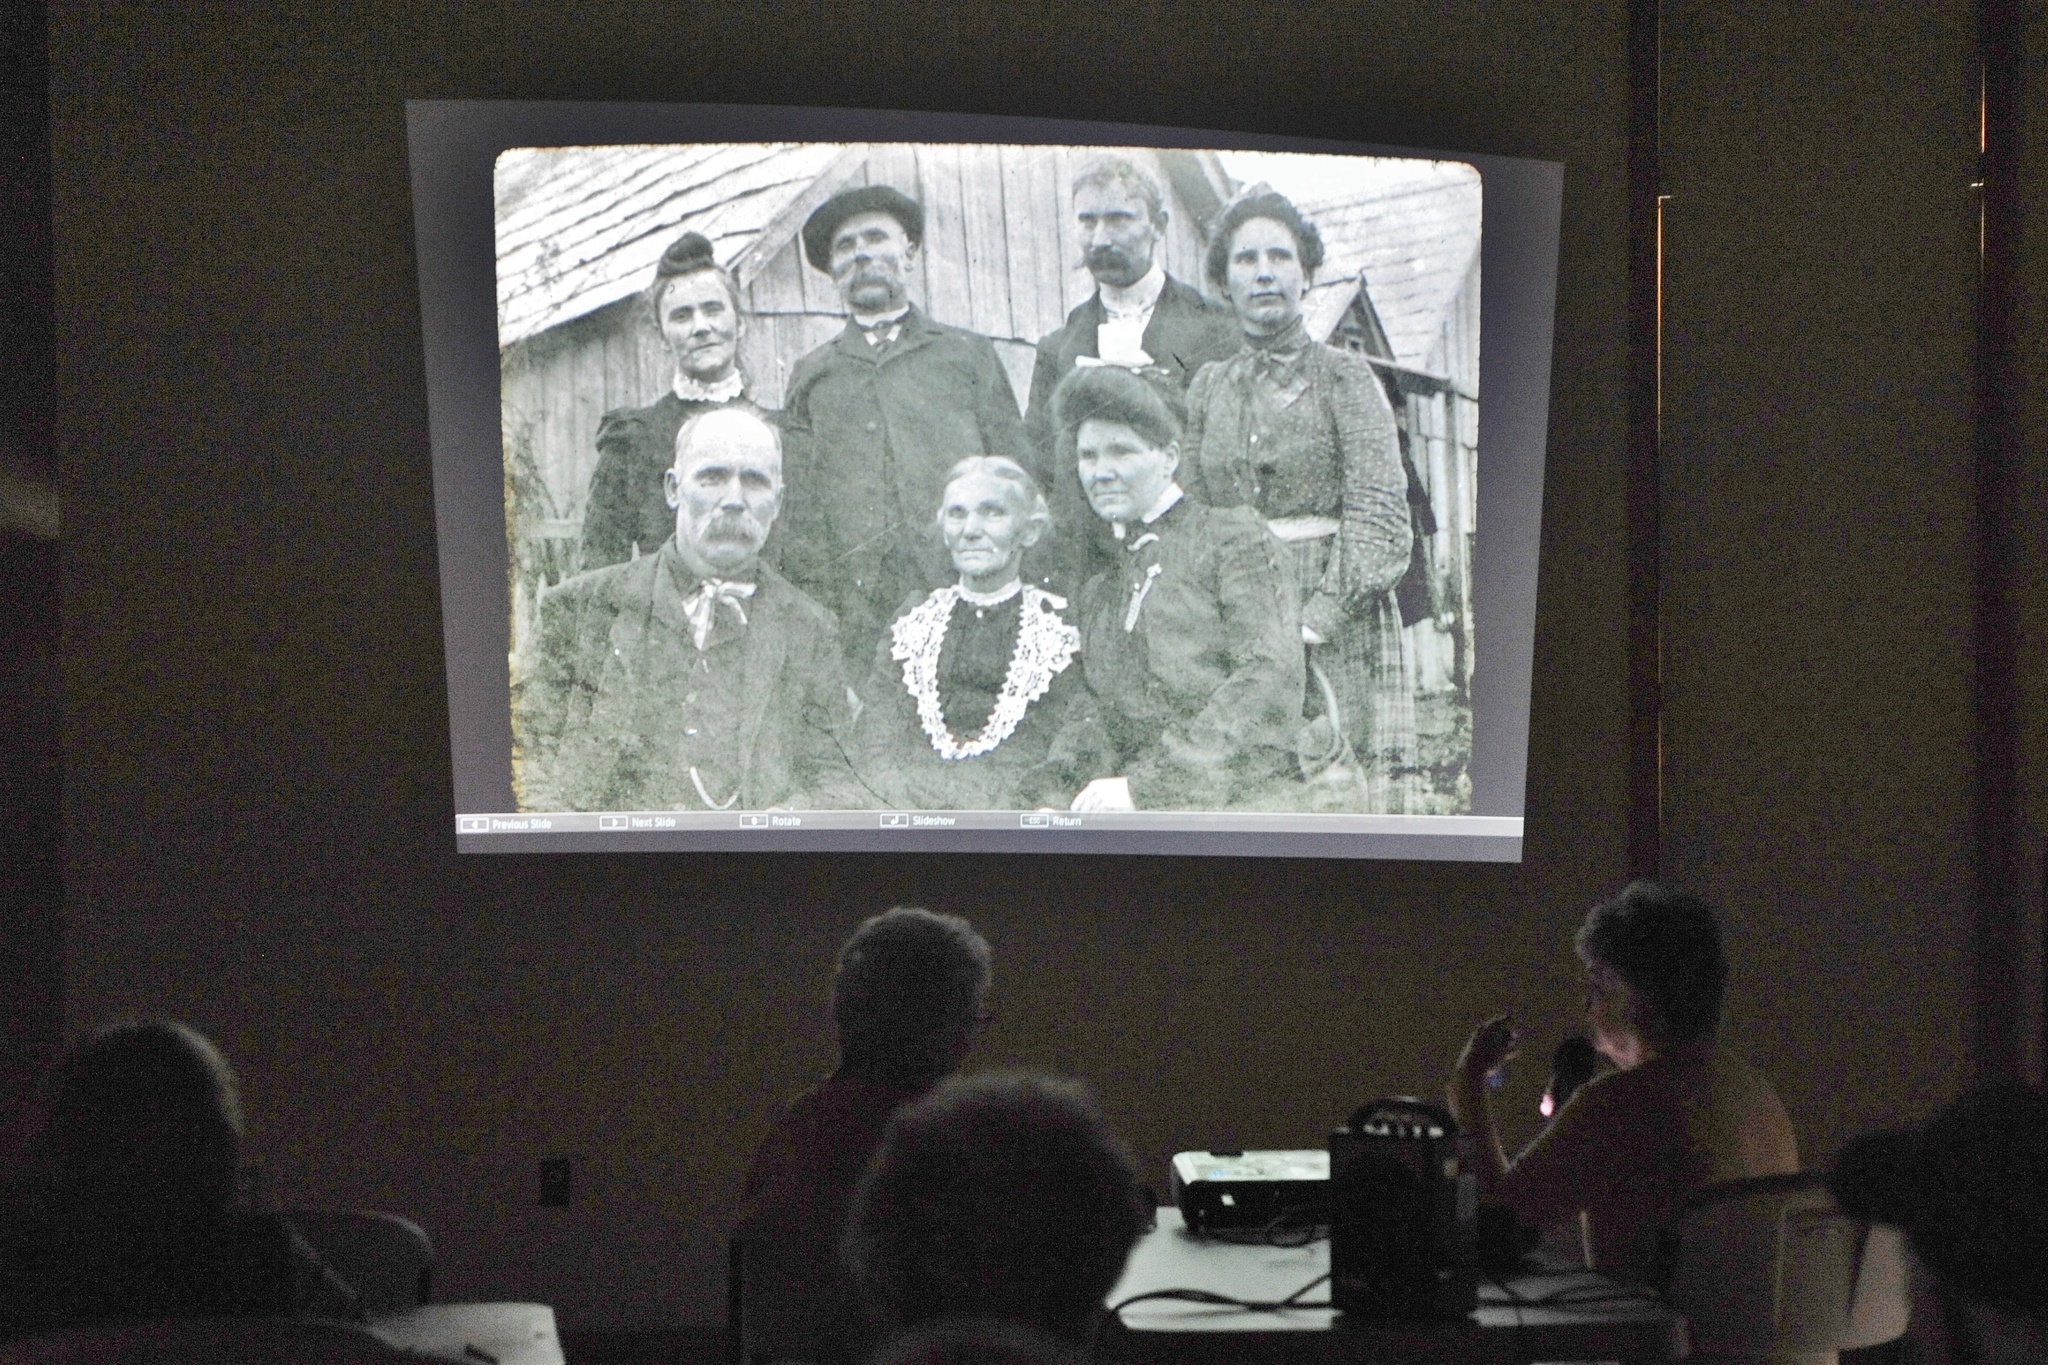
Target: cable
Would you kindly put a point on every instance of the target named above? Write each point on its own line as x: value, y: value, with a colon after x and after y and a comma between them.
x: 1516, y: 1299
x: 1293, y: 1300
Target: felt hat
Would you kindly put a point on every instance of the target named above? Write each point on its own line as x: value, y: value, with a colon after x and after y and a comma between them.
x: 1970, y: 1191
x: 826, y: 218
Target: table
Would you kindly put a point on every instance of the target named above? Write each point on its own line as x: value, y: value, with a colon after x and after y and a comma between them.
x: 478, y: 1333
x: 1617, y: 1325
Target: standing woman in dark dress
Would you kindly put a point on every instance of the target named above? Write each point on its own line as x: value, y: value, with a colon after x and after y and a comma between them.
x: 1303, y: 434
x: 968, y: 679
x: 696, y: 307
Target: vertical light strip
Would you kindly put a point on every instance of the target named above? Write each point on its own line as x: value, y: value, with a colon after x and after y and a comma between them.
x: 1662, y: 198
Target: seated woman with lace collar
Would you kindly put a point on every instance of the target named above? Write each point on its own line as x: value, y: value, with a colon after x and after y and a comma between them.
x: 968, y: 679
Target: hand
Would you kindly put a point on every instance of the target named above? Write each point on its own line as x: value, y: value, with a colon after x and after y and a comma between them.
x: 1106, y: 793
x: 1492, y: 1045
x: 1309, y: 636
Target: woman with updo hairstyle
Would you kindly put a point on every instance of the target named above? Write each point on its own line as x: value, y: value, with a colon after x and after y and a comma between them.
x: 694, y: 305
x: 124, y: 1205
x: 1676, y: 1113
x: 958, y: 706
x: 1303, y: 434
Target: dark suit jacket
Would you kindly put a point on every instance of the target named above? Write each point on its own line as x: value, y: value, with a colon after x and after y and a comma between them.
x: 627, y: 506
x: 868, y: 437
x: 1198, y: 703
x: 1186, y: 332
x: 594, y: 627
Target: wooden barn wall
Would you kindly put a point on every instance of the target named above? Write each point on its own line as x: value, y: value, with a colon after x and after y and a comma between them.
x: 558, y: 385
x: 1444, y: 444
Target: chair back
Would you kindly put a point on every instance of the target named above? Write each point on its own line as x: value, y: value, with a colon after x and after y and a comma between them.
x: 779, y: 1306
x: 1770, y: 1268
x: 386, y: 1259
x: 208, y: 1341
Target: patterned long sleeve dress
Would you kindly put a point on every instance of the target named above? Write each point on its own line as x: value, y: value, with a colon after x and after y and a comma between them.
x: 1303, y: 434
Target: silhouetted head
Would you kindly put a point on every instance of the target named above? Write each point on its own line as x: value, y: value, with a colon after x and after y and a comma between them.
x: 144, y: 1127
x: 909, y: 994
x: 1654, y: 968
x: 996, y: 1196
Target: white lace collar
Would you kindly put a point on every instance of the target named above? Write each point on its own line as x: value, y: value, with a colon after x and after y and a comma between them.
x: 1046, y: 644
x: 724, y: 391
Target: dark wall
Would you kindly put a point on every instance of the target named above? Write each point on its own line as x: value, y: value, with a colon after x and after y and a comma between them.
x: 255, y: 741
x: 1820, y: 264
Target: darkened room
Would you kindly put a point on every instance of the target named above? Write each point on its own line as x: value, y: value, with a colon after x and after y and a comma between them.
x: 1791, y: 643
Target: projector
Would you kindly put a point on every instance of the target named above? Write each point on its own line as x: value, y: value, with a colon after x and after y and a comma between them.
x: 1237, y: 1189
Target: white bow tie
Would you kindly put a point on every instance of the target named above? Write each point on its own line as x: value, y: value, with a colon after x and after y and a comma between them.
x: 703, y: 605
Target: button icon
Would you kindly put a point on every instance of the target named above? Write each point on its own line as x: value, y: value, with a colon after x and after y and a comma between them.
x: 1035, y: 820
x: 474, y: 824
x: 753, y: 822
x: 895, y: 820
x: 611, y: 822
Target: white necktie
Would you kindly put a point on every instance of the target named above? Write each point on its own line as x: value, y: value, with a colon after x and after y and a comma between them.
x: 704, y: 605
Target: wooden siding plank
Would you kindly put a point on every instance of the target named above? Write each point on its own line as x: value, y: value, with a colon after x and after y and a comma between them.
x: 1048, y: 229
x: 987, y: 242
x: 1018, y: 358
x: 778, y: 287
x: 1020, y: 261
x: 948, y: 290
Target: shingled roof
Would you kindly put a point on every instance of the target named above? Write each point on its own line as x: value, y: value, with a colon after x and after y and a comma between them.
x: 1413, y: 236
x: 577, y: 232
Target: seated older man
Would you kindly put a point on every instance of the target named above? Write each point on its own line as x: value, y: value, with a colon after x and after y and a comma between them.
x: 907, y: 999
x: 1001, y: 1196
x: 694, y: 678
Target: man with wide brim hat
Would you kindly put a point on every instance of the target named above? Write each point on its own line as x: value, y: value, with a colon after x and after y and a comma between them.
x: 695, y: 305
x: 824, y: 221
x: 875, y: 417
x: 1970, y: 1192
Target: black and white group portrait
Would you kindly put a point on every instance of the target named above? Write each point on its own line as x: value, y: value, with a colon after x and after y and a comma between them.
x: 937, y: 477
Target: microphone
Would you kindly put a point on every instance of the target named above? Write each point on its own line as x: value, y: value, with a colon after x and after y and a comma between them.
x: 1571, y: 1066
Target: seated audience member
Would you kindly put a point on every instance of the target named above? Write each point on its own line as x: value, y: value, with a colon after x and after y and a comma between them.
x: 999, y: 1196
x: 907, y: 1001
x: 977, y: 1341
x: 124, y: 1204
x: 1970, y: 1191
x: 1677, y: 1113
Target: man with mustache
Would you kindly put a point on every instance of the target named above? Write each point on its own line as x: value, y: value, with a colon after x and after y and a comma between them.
x: 1139, y: 318
x: 875, y: 418
x: 693, y: 678
x: 696, y: 307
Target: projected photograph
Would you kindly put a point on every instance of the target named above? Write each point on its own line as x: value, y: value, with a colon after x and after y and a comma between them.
x: 951, y: 477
